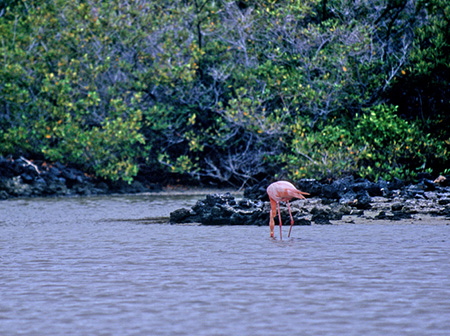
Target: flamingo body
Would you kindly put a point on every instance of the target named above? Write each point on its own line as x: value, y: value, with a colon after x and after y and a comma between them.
x: 282, y: 191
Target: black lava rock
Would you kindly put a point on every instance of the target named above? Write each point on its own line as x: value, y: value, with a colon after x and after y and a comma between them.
x: 26, y: 178
x: 258, y: 191
x: 223, y: 209
x: 311, y: 186
x: 363, y: 200
x: 324, y: 215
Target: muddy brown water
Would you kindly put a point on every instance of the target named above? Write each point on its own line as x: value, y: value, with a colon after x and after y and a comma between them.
x: 113, y: 266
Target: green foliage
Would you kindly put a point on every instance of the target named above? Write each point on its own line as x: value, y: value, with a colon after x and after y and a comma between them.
x: 390, y: 146
x: 377, y: 143
x: 329, y: 151
x: 228, y: 91
x: 68, y: 94
x: 432, y: 45
x: 423, y: 89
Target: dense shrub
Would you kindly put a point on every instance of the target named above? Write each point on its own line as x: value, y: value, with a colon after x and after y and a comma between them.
x: 230, y: 91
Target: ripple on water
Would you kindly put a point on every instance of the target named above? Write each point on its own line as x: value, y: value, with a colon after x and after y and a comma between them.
x: 91, y: 267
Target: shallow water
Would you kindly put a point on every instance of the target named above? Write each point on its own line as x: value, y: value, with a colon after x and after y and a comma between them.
x: 106, y: 266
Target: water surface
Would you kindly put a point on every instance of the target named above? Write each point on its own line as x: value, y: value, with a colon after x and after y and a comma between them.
x: 111, y: 266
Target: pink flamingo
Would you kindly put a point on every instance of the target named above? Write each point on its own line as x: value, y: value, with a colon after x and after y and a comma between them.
x: 282, y: 191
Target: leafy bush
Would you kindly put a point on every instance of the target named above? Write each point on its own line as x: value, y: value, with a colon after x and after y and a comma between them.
x: 329, y: 151
x: 377, y: 143
x: 390, y: 146
x: 220, y: 90
x: 422, y: 91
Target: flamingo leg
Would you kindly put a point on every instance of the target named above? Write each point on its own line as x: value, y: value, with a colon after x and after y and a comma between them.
x: 271, y: 223
x: 292, y: 219
x: 273, y: 213
x: 279, y: 218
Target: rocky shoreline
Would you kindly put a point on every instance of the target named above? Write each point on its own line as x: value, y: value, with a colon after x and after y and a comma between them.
x: 348, y: 199
x: 21, y: 177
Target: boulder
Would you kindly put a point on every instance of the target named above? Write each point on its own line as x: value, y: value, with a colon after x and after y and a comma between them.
x: 324, y: 215
x: 258, y: 191
x: 15, y: 186
x: 223, y: 209
x: 183, y: 215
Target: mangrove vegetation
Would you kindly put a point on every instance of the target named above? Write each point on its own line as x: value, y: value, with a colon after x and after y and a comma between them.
x: 228, y: 91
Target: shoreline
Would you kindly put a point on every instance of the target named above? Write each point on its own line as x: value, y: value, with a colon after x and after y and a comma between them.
x: 346, y: 199
x: 422, y: 219
x: 312, y: 211
x: 164, y: 192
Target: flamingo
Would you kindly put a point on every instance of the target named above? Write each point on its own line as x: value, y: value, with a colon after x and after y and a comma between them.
x: 282, y: 191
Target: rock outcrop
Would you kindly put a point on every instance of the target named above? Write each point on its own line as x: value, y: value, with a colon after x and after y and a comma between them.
x: 329, y: 202
x: 25, y: 178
